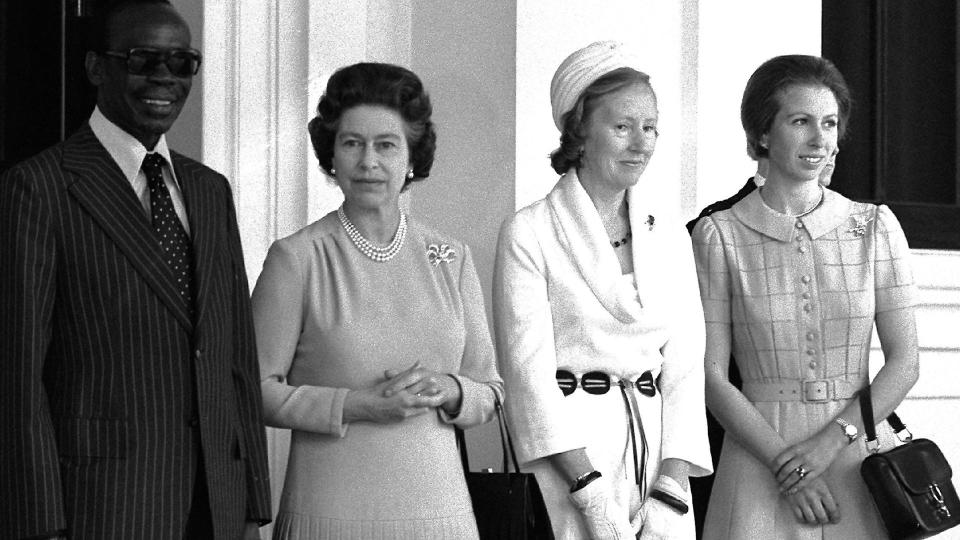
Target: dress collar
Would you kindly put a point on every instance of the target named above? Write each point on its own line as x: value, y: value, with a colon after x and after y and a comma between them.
x: 832, y: 212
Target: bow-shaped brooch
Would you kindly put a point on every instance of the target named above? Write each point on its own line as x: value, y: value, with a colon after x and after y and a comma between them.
x: 440, y: 254
x: 651, y: 221
x: 859, y: 226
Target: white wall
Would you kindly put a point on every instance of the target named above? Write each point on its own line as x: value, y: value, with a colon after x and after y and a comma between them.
x: 735, y: 37
x: 932, y: 407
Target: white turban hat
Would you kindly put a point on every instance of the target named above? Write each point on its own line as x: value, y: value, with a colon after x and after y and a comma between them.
x: 582, y: 68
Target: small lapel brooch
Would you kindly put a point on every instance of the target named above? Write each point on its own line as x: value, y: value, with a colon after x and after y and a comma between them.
x: 859, y: 226
x: 651, y: 221
x: 440, y: 254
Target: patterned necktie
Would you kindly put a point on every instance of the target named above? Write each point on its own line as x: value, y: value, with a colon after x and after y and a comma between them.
x: 173, y: 238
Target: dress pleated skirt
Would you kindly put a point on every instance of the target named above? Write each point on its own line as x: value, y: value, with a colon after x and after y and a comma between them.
x: 290, y: 526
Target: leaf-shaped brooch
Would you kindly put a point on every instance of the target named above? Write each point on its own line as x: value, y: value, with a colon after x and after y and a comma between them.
x: 440, y: 254
x: 859, y: 226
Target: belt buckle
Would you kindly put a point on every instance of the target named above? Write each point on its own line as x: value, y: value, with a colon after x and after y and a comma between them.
x: 816, y: 391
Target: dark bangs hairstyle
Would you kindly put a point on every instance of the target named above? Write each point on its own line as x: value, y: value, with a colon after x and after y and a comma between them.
x: 761, y: 97
x: 570, y: 153
x: 387, y: 85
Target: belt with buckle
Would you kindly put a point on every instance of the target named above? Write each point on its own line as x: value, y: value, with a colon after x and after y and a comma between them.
x: 598, y: 383
x: 809, y: 391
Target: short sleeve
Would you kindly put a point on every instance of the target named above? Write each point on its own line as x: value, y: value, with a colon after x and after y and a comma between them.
x: 894, y: 284
x: 712, y: 271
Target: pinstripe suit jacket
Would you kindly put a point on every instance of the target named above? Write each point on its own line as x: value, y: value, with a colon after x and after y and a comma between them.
x: 110, y: 391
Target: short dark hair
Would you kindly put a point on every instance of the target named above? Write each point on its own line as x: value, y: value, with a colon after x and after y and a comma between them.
x: 575, y: 120
x: 761, y: 97
x: 99, y: 37
x: 371, y: 83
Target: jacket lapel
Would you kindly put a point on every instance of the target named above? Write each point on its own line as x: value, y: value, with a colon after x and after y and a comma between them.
x: 643, y: 224
x: 581, y: 231
x: 99, y: 186
x: 204, y: 218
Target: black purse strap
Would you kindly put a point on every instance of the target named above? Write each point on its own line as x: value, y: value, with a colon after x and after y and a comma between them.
x: 506, y: 442
x: 869, y: 427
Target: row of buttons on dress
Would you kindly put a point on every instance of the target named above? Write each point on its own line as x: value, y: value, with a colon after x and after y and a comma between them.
x: 807, y: 306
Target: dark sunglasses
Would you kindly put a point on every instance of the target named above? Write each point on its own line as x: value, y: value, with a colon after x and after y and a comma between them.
x: 598, y: 383
x: 145, y: 61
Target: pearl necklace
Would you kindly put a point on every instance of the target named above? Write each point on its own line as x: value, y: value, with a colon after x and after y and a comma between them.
x: 376, y: 253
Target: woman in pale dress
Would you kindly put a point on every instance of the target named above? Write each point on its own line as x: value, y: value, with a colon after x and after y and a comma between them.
x: 793, y: 278
x: 598, y: 321
x: 371, y: 333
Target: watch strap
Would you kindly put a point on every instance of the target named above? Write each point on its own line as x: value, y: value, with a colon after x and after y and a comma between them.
x: 584, y: 479
x: 673, y: 502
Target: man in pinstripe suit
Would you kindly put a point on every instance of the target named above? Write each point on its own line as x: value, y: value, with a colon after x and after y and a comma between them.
x: 130, y: 388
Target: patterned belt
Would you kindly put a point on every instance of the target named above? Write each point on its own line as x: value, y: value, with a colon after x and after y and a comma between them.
x: 598, y: 383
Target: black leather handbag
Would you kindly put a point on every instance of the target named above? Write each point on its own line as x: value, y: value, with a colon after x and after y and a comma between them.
x: 507, y: 505
x: 910, y: 484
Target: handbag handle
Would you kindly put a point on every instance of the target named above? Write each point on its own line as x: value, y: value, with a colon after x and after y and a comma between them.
x: 506, y: 442
x: 870, y: 429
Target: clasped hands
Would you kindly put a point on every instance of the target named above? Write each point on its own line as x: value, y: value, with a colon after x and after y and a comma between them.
x: 605, y: 519
x: 798, y: 471
x: 403, y: 394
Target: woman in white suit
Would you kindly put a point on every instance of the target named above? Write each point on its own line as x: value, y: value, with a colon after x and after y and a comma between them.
x: 599, y: 327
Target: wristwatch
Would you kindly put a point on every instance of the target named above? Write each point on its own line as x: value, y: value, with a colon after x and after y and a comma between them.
x: 849, y: 429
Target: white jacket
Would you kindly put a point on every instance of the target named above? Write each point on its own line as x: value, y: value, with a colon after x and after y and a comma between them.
x: 561, y: 302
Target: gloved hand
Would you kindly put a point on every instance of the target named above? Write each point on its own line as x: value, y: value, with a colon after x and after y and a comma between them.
x: 660, y: 520
x: 604, y: 518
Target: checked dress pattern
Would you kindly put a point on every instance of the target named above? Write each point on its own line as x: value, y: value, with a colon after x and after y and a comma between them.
x: 170, y: 232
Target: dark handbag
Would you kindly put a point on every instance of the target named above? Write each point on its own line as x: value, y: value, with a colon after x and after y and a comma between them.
x: 507, y: 505
x: 910, y: 484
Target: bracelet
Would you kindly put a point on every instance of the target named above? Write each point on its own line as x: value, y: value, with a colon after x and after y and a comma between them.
x: 584, y: 479
x: 673, y: 502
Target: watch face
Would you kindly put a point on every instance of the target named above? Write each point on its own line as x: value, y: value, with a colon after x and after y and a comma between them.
x: 850, y: 430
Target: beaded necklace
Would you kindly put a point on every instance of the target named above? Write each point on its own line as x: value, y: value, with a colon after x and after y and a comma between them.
x: 623, y: 241
x: 376, y: 253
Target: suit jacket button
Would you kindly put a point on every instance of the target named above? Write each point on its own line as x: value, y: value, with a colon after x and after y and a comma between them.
x: 198, y: 353
x: 193, y: 421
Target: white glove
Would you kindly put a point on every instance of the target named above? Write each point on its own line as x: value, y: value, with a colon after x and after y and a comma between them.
x: 660, y: 521
x: 604, y: 518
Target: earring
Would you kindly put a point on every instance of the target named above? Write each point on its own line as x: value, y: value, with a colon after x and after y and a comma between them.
x: 333, y: 171
x: 410, y: 174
